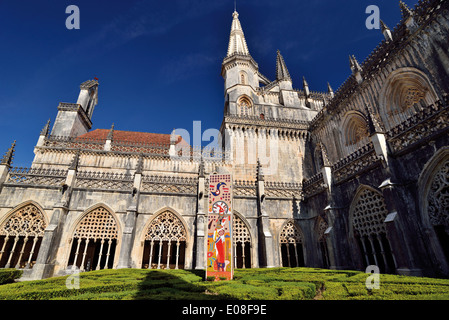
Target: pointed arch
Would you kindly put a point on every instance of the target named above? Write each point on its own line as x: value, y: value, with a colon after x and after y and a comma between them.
x: 367, y: 214
x: 95, y: 239
x: 433, y: 187
x: 291, y: 242
x: 321, y: 226
x: 242, y: 241
x: 355, y: 128
x: 405, y: 92
x: 244, y: 106
x: 165, y: 238
x: 21, y: 233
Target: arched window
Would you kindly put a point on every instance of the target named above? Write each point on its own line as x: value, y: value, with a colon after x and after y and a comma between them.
x: 368, y: 212
x: 321, y: 227
x: 438, y: 205
x: 20, y: 237
x: 405, y: 92
x: 242, y: 243
x: 243, y: 78
x: 244, y: 106
x: 165, y: 242
x: 291, y: 242
x: 94, y: 241
x: 355, y: 128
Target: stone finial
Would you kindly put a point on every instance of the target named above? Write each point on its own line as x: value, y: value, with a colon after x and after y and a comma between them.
x: 111, y: 133
x: 386, y: 31
x: 356, y: 68
x: 329, y: 90
x: 281, y: 68
x: 75, y: 161
x: 46, y: 129
x: 201, y: 170
x: 355, y: 64
x: 9, y: 155
x: 374, y: 125
x: 259, y: 169
x: 173, y: 137
x: 405, y: 10
x: 139, y: 167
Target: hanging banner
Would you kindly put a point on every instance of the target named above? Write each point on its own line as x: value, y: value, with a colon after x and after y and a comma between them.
x: 219, y: 228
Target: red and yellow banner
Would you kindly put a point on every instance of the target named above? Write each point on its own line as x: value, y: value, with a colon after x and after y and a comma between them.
x: 219, y: 228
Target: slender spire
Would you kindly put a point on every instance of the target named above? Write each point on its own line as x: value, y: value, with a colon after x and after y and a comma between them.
x: 201, y: 170
x: 259, y: 171
x: 354, y: 64
x: 173, y: 137
x: 46, y: 128
x: 237, y: 42
x: 405, y: 10
x: 111, y: 133
x: 386, y: 31
x: 329, y: 90
x: 75, y: 161
x: 305, y: 86
x: 9, y: 155
x: 281, y: 68
x: 139, y: 167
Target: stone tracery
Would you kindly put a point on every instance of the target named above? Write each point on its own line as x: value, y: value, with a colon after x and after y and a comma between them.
x: 20, y: 237
x: 291, y: 241
x: 165, y: 234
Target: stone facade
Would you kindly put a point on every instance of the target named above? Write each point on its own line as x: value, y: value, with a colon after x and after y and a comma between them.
x: 338, y: 180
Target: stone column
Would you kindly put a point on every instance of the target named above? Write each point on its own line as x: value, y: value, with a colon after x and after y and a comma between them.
x: 45, y: 261
x: 130, y: 221
x: 266, y: 243
x: 200, y: 258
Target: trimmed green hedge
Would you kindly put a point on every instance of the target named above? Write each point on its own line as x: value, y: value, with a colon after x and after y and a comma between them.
x: 9, y: 275
x: 248, y: 284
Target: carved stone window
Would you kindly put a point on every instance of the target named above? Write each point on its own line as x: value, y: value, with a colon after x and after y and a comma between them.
x: 438, y: 198
x: 21, y: 236
x: 291, y: 240
x: 244, y: 106
x: 94, y: 241
x: 438, y: 206
x: 321, y: 227
x: 165, y: 242
x: 242, y: 243
x: 356, y: 129
x: 368, y: 215
x: 405, y: 92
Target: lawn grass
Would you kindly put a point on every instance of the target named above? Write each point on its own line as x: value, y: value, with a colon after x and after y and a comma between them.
x: 248, y: 284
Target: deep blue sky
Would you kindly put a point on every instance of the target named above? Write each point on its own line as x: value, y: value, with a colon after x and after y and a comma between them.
x: 159, y: 61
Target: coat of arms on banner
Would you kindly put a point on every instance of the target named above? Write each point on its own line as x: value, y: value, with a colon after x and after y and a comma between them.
x: 219, y: 228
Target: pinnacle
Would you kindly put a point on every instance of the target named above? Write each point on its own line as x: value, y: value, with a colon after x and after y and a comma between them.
x: 281, y: 68
x: 405, y: 10
x: 9, y: 155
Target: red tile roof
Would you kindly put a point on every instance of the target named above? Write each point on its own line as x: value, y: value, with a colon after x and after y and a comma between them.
x: 131, y: 136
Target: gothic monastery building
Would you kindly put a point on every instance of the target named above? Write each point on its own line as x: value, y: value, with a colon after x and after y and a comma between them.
x: 339, y: 180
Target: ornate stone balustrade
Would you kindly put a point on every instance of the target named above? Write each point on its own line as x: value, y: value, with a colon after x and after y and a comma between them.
x: 29, y: 176
x: 360, y: 160
x: 140, y: 147
x: 243, y: 188
x: 74, y: 143
x: 282, y: 190
x: 104, y: 181
x: 420, y: 127
x: 169, y: 185
x: 314, y: 185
